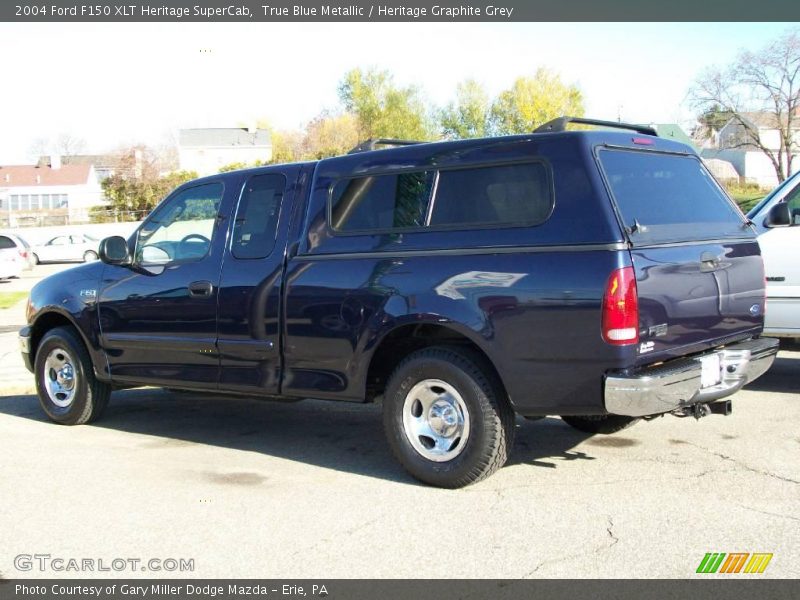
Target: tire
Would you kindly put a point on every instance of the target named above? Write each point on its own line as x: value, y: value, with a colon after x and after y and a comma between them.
x: 89, y: 256
x: 602, y: 424
x: 68, y: 391
x: 36, y: 260
x: 455, y: 390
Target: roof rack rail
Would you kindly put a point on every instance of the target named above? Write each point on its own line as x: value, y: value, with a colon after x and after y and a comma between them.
x: 560, y: 124
x: 375, y: 142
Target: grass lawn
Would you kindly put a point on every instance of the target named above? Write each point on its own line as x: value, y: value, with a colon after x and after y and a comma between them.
x: 9, y: 299
x: 747, y: 200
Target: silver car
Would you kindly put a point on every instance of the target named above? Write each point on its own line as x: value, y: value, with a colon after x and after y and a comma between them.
x: 67, y: 248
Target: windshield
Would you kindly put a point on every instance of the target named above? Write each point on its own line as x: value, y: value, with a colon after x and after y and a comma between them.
x: 669, y: 198
x: 792, y: 181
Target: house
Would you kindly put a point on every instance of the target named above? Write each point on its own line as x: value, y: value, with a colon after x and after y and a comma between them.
x: 48, y: 194
x: 206, y: 150
x: 734, y: 144
x: 673, y: 131
x: 105, y: 165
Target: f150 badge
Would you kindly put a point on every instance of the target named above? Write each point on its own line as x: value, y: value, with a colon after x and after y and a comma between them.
x: 88, y: 294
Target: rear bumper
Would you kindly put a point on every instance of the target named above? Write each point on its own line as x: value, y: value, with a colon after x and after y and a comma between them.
x: 678, y: 383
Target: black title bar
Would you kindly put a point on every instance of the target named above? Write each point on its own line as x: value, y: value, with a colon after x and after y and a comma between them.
x: 394, y: 11
x: 388, y: 589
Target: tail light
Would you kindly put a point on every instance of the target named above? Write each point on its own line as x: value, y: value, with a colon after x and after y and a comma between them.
x: 23, y: 254
x: 621, y: 308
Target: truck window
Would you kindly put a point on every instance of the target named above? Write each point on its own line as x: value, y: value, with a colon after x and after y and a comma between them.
x: 497, y: 195
x: 257, y: 216
x: 381, y: 202
x: 181, y: 228
x: 669, y: 197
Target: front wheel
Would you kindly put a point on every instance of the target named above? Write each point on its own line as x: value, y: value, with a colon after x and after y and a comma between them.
x: 602, y: 424
x: 89, y: 256
x: 446, y: 417
x: 68, y: 391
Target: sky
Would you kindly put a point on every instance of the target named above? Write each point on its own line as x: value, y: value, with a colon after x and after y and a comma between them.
x: 116, y: 84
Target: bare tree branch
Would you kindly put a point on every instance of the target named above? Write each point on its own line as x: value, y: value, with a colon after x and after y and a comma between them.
x: 759, y: 90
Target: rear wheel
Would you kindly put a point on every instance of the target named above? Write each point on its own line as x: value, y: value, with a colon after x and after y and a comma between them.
x: 602, y: 424
x: 68, y: 391
x: 35, y: 259
x: 446, y: 417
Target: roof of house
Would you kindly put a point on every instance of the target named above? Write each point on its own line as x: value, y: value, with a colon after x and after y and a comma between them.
x: 97, y: 160
x: 223, y: 137
x: 32, y: 175
x: 673, y: 131
x: 765, y: 120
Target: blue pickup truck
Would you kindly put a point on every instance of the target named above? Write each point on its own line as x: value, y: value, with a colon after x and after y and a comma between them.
x: 599, y: 275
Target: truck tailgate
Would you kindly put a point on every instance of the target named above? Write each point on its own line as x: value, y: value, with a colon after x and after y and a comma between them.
x: 694, y: 297
x: 699, y: 272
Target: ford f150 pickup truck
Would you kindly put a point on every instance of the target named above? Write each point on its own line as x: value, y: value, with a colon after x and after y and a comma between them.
x: 602, y: 276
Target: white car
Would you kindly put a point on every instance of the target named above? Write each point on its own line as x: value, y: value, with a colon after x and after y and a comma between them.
x: 22, y: 255
x: 777, y: 219
x: 67, y: 248
x: 10, y: 266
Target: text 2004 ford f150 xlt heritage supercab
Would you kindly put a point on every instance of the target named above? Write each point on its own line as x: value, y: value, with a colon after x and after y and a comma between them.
x: 598, y: 275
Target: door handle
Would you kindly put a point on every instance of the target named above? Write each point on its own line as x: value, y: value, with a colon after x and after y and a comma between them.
x: 199, y: 289
x: 708, y: 257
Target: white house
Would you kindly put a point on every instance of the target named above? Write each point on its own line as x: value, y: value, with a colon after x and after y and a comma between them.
x: 206, y: 150
x: 733, y: 144
x: 48, y: 194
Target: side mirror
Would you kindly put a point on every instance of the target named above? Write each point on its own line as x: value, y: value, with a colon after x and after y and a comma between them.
x: 778, y: 216
x: 114, y: 251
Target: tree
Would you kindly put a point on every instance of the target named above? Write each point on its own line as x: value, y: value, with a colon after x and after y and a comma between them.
x: 330, y: 135
x: 139, y: 184
x: 287, y: 146
x: 468, y: 116
x: 381, y: 109
x: 235, y: 166
x: 532, y: 101
x: 64, y: 144
x: 766, y: 83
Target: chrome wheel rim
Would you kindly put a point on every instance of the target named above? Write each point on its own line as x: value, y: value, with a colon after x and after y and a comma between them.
x: 436, y: 420
x: 60, y: 378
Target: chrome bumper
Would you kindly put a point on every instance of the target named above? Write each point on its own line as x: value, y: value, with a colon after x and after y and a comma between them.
x: 677, y: 383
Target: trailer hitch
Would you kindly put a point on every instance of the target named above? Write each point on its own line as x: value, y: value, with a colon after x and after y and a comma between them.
x: 698, y: 411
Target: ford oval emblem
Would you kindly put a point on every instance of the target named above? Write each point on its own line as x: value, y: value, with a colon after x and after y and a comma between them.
x: 755, y: 310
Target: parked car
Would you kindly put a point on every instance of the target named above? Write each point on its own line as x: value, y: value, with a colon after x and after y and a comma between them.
x: 777, y: 220
x: 67, y: 248
x: 10, y: 265
x: 23, y: 256
x: 602, y: 276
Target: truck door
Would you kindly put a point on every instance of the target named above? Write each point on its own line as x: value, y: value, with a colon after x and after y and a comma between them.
x: 158, y: 316
x: 251, y: 284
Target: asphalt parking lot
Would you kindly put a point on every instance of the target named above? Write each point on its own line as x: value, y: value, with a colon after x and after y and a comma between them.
x: 247, y: 488
x: 309, y: 490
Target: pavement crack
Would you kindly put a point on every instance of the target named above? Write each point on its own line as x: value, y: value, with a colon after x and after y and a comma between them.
x: 614, y: 540
x: 766, y: 512
x: 610, y: 531
x: 745, y: 465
